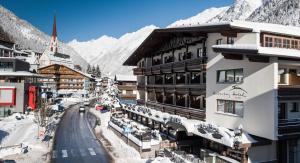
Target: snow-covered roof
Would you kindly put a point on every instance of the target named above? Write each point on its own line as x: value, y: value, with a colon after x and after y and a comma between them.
x: 256, y: 49
x: 82, y: 73
x: 19, y: 73
x: 126, y: 77
x: 4, y: 47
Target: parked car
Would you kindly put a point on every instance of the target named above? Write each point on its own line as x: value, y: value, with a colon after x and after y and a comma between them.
x: 86, y: 102
x: 81, y: 109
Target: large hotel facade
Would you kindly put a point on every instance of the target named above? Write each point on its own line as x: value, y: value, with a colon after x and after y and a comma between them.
x: 238, y: 75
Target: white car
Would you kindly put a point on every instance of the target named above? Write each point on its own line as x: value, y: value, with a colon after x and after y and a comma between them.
x: 86, y: 103
x: 81, y: 109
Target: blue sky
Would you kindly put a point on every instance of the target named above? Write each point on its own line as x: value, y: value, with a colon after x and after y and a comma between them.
x: 88, y: 19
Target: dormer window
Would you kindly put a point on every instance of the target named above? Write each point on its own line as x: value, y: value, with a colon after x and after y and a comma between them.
x: 219, y: 42
x: 230, y: 40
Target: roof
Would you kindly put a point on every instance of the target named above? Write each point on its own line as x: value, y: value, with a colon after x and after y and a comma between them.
x: 125, y: 78
x: 84, y: 74
x: 160, y: 36
x: 252, y: 49
x: 19, y: 73
x: 4, y: 47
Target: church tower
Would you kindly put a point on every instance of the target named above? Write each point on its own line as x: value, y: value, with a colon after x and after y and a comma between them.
x: 54, y: 40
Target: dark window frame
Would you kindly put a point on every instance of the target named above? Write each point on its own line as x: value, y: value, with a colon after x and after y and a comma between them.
x: 234, y: 76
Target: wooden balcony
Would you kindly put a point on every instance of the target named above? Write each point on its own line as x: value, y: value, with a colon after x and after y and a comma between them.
x: 128, y: 96
x: 127, y: 87
x: 195, y: 64
x: 289, y: 92
x: 139, y: 71
x: 70, y: 87
x: 288, y: 128
x: 178, y: 110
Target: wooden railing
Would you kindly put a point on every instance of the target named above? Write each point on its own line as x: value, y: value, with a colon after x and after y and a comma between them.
x: 138, y: 71
x: 195, y: 64
x: 288, y: 127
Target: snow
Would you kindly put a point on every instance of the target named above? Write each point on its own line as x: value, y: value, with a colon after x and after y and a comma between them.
x: 121, y: 152
x: 125, y: 77
x: 237, y: 46
x: 18, y: 73
x: 200, y: 18
x: 28, y: 128
x: 110, y: 53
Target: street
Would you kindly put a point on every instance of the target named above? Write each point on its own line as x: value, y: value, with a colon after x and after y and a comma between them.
x: 75, y: 141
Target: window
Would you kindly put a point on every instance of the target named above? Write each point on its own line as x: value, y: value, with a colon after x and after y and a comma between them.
x: 219, y: 42
x: 159, y: 97
x: 169, y: 98
x: 230, y: 40
x: 278, y: 42
x: 286, y: 43
x: 295, y: 107
x: 168, y: 59
x: 195, y: 78
x: 268, y: 42
x: 180, y: 78
x: 204, y: 77
x: 230, y: 76
x: 150, y: 79
x: 294, y: 44
x: 180, y: 100
x: 200, y: 52
x: 159, y: 79
x: 232, y: 107
x: 169, y: 79
x: 180, y: 57
x: 6, y: 66
x: 195, y: 102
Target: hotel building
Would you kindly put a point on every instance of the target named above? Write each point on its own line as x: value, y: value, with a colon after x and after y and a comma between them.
x: 238, y: 75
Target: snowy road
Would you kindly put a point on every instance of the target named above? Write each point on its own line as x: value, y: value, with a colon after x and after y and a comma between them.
x: 75, y: 142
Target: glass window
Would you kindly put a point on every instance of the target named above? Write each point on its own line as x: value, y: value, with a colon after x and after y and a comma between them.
x: 180, y: 100
x: 159, y: 97
x: 169, y: 79
x: 195, y: 102
x: 222, y: 76
x: 278, y: 42
x: 230, y: 40
x: 158, y: 79
x: 232, y: 107
x: 200, y: 52
x: 230, y: 76
x: 286, y: 43
x: 195, y: 78
x: 180, y: 78
x: 268, y: 42
x: 295, y: 107
x: 169, y: 98
x: 294, y: 44
x: 219, y: 42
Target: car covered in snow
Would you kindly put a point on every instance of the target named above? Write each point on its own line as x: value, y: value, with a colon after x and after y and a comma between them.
x: 86, y: 102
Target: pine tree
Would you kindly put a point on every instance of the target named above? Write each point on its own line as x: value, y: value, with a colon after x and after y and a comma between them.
x: 98, y: 72
x: 94, y: 71
x: 89, y: 70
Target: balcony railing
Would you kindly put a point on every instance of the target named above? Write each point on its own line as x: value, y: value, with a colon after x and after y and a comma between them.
x: 195, y: 64
x: 288, y: 127
x: 139, y: 71
x: 178, y: 110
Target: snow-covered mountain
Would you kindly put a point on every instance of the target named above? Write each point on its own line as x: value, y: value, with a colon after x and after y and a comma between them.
x: 110, y: 53
x: 200, y: 18
x: 240, y: 10
x: 285, y: 12
x: 29, y: 37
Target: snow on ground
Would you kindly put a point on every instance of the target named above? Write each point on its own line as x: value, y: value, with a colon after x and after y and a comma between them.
x: 121, y: 152
x: 23, y: 131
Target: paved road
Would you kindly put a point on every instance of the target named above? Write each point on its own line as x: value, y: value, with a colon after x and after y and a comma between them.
x: 75, y: 142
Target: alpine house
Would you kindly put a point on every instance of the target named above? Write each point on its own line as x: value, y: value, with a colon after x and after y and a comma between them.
x: 233, y: 85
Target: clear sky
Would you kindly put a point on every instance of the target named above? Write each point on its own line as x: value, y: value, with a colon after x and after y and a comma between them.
x: 88, y: 19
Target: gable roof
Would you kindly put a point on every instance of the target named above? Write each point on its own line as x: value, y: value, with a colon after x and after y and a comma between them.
x: 84, y: 74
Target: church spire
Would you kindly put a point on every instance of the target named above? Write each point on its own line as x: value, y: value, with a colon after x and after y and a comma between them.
x: 54, y: 40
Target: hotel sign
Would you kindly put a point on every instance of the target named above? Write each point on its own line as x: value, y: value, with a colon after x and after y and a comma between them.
x: 235, y: 93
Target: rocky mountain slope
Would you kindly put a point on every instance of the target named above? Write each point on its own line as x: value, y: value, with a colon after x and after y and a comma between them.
x: 29, y: 37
